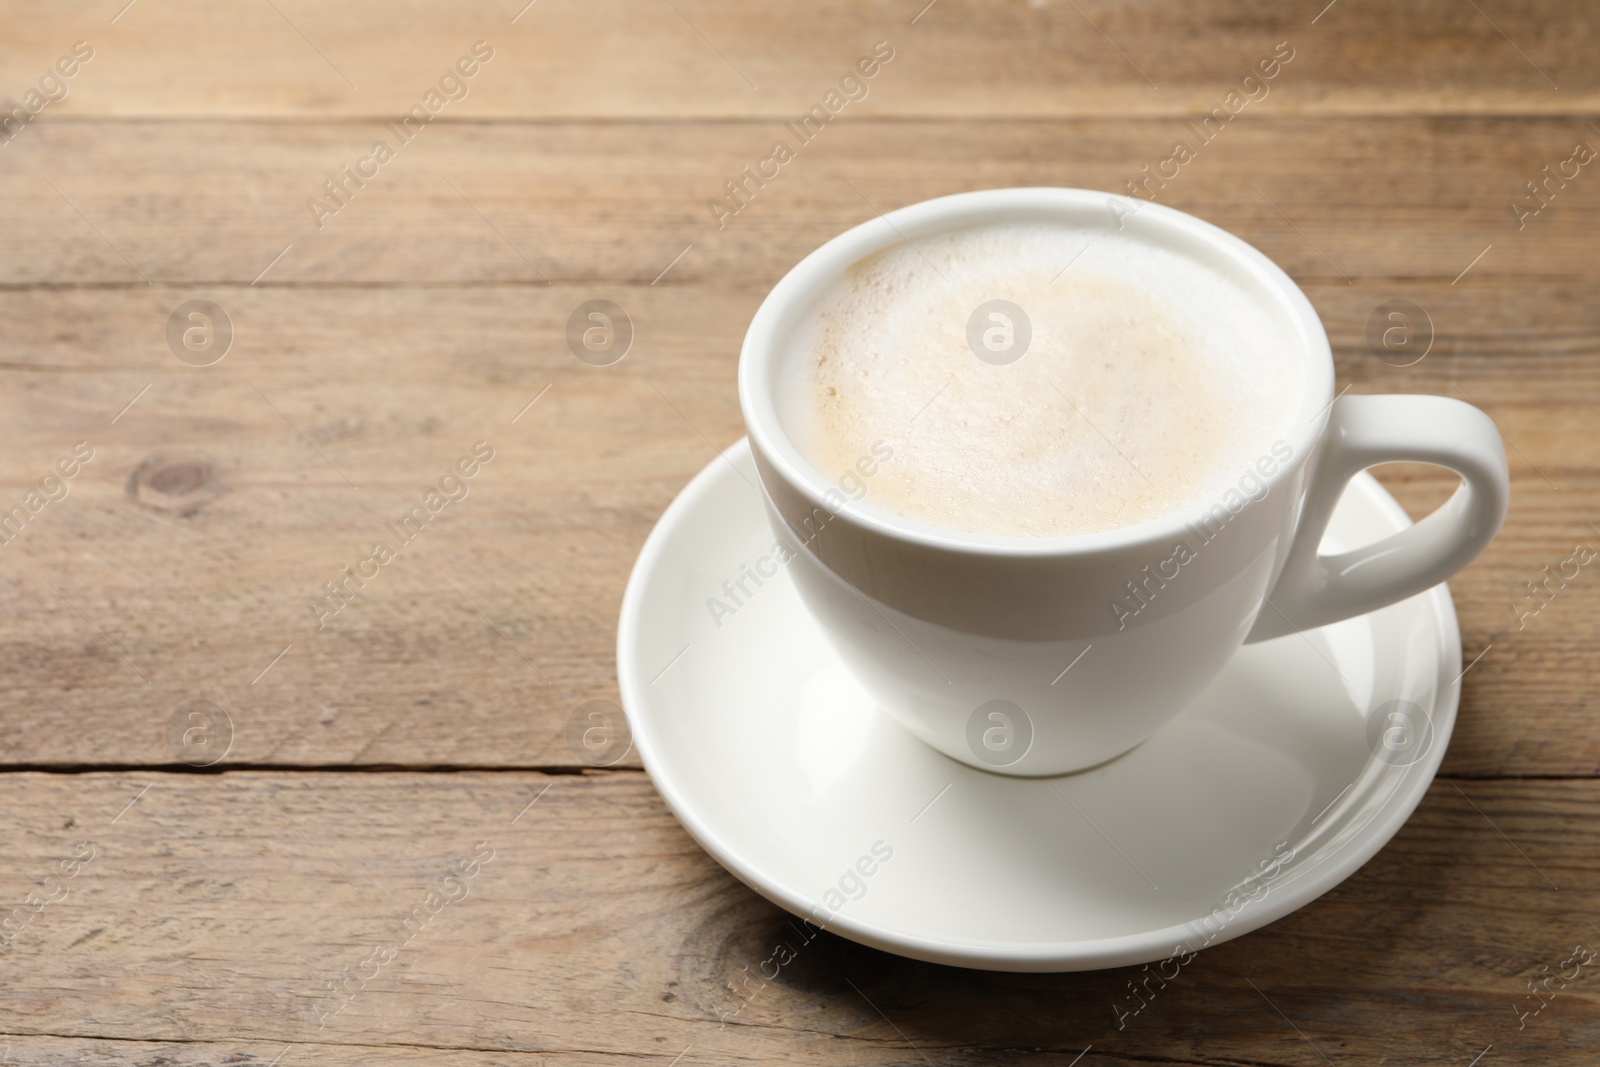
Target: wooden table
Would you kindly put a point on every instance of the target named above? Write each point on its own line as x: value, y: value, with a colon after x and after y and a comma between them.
x: 222, y: 902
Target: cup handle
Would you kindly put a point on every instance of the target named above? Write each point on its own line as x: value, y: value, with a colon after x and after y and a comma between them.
x: 1362, y: 431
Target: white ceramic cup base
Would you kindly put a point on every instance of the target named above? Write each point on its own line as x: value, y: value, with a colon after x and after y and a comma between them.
x: 1286, y: 775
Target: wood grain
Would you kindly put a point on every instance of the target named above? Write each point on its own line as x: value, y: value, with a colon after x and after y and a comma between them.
x: 207, y: 203
x: 610, y: 59
x: 599, y: 929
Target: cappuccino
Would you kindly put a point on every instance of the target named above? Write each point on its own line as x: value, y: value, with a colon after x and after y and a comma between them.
x: 1038, y: 379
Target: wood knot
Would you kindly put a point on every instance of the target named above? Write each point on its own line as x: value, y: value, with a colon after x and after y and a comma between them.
x: 751, y: 958
x: 179, y: 484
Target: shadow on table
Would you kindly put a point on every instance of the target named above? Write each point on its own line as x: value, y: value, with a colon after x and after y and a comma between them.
x: 1402, y: 963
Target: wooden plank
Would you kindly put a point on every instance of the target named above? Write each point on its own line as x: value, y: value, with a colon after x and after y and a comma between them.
x: 198, y: 203
x: 215, y: 909
x: 326, y: 386
x: 718, y: 59
x: 202, y: 587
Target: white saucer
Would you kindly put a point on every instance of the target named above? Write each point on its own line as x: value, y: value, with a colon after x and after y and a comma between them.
x: 1267, y: 789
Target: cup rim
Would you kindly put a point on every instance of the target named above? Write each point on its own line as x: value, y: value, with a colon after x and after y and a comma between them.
x: 763, y: 343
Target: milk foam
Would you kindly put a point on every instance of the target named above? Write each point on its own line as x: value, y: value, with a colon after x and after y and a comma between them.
x: 1151, y: 382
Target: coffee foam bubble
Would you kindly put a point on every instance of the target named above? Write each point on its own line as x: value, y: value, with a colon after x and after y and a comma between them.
x: 1151, y: 381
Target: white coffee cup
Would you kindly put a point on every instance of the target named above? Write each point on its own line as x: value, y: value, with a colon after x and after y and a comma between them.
x: 1005, y: 652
